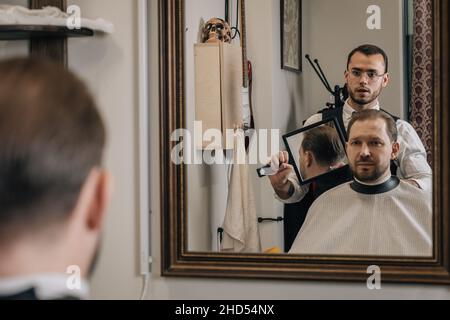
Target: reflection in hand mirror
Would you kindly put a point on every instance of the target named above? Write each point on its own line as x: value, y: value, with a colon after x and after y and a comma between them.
x: 316, y: 151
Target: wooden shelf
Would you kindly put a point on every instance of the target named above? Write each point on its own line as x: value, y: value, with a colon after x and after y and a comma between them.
x: 26, y: 32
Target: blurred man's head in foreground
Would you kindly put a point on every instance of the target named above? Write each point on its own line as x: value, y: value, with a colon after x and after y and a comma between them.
x: 53, y: 191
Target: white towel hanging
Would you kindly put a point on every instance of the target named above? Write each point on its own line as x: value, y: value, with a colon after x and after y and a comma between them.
x: 240, y: 225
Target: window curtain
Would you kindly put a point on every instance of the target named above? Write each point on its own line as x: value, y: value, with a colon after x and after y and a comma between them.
x: 422, y: 74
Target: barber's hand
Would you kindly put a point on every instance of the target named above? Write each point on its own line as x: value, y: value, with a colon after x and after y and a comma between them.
x: 279, y: 181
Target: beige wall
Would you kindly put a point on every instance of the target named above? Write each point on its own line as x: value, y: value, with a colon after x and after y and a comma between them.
x: 109, y: 65
x: 276, y: 98
x: 207, y: 204
x: 329, y: 37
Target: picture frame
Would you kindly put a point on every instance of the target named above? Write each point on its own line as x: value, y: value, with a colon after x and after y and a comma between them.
x: 291, y: 35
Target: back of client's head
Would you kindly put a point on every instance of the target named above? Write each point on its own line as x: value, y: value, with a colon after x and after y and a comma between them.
x: 324, y: 143
x: 51, y: 140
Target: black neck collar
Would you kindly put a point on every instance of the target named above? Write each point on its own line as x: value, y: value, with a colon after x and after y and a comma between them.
x: 387, y: 186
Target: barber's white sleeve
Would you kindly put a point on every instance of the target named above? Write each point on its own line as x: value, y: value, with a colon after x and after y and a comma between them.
x: 300, y: 191
x: 313, y: 119
x: 412, y: 158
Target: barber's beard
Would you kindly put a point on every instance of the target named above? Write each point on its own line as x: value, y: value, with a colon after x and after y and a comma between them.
x: 368, y: 100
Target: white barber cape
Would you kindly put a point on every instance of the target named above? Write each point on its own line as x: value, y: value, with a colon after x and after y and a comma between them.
x: 345, y: 222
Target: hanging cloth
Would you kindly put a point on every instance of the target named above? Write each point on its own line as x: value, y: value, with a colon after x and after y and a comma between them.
x: 240, y: 225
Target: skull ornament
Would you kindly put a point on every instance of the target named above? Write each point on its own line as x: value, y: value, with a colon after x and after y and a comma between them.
x: 216, y: 30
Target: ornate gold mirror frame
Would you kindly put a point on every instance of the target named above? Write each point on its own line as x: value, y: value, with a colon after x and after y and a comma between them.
x: 178, y: 261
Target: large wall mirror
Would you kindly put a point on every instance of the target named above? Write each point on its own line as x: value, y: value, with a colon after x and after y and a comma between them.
x: 196, y: 192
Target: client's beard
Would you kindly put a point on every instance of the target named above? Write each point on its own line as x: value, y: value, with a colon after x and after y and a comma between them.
x: 372, y: 176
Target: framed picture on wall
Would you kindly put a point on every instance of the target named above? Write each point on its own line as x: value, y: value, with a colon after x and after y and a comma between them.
x: 291, y: 35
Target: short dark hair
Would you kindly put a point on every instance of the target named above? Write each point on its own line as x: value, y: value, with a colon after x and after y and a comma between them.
x: 51, y: 137
x: 391, y: 127
x: 369, y: 50
x: 325, y: 144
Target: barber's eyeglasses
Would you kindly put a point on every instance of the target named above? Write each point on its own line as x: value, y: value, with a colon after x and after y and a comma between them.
x: 371, y: 74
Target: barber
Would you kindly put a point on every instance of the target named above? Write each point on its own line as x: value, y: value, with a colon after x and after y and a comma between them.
x: 366, y: 77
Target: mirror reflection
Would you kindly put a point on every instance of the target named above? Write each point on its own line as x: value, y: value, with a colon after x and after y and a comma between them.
x: 286, y: 211
x: 316, y: 150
